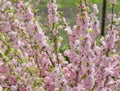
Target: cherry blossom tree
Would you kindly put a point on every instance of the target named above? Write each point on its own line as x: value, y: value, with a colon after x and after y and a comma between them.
x: 30, y: 60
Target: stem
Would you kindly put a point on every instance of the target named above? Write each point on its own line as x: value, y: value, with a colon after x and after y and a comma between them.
x: 82, y: 10
x: 50, y: 59
x: 107, y: 78
x: 55, y: 44
x: 94, y: 86
x: 37, y: 63
x: 112, y: 16
x: 77, y: 74
x: 81, y: 6
x: 56, y: 51
x: 76, y: 80
x: 107, y: 53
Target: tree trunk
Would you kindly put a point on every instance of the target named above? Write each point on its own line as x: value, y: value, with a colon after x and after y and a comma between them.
x: 103, y: 17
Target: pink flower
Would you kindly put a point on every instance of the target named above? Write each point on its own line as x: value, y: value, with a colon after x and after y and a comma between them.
x: 50, y: 84
x: 2, y: 78
x: 20, y: 4
x: 29, y: 14
x: 68, y: 30
x: 14, y: 88
x: 4, y: 69
x: 6, y: 27
x: 12, y: 80
x: 22, y: 89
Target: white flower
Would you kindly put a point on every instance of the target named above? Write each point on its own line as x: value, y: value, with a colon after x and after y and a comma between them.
x: 68, y: 30
x: 94, y: 6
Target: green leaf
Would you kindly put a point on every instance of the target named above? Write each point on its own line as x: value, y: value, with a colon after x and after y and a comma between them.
x: 18, y: 77
x: 81, y: 38
x: 56, y: 25
x: 76, y: 50
x: 26, y: 60
x: 90, y: 31
x: 6, y: 89
x: 11, y: 57
x: 7, y: 51
x: 35, y: 10
x: 1, y: 55
x: 32, y: 69
x: 84, y: 76
x: 51, y: 68
x: 20, y: 61
x: 35, y: 84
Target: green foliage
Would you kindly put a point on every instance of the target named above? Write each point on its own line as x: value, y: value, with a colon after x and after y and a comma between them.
x: 63, y: 48
x: 8, y: 51
x: 6, y: 89
x: 1, y: 55
x: 83, y: 77
x: 38, y: 81
x: 90, y: 31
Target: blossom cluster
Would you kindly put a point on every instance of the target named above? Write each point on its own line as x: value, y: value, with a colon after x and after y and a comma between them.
x: 30, y: 60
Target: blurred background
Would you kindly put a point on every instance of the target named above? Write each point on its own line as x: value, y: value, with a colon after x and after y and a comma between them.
x: 69, y: 11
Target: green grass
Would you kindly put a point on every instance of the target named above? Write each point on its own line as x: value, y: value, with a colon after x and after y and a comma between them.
x: 61, y: 3
x: 72, y: 3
